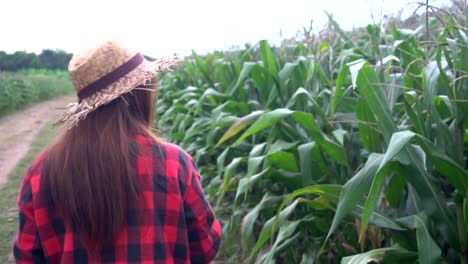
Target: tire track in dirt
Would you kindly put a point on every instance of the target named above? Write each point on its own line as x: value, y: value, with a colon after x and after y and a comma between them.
x: 17, y: 131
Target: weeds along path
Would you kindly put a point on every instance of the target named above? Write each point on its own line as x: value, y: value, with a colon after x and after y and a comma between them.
x: 17, y: 131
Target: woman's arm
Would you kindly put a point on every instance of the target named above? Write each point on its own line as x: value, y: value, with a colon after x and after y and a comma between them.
x: 27, y: 246
x: 204, y: 230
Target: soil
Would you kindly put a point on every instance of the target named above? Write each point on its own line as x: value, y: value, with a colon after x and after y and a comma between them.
x: 17, y: 131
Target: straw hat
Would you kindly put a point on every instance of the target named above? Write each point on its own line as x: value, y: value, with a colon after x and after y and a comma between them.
x: 103, y: 74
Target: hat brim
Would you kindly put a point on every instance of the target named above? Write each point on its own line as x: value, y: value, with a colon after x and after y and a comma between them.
x: 141, y: 75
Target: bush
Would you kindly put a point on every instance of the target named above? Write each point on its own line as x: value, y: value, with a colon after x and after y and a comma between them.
x: 18, y: 91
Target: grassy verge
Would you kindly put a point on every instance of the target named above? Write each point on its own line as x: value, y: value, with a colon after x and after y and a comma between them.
x: 9, y: 193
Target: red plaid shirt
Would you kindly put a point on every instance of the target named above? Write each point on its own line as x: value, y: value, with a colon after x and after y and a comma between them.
x: 181, y: 225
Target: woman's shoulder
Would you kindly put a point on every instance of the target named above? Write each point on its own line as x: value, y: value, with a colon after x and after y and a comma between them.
x: 35, y: 168
x: 167, y: 149
x: 32, y: 176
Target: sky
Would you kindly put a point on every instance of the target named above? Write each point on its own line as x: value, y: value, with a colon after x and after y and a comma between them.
x: 162, y: 28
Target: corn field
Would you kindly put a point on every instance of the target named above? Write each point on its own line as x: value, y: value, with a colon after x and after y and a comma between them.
x: 346, y: 147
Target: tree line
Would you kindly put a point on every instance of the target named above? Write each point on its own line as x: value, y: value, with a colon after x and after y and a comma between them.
x: 47, y: 59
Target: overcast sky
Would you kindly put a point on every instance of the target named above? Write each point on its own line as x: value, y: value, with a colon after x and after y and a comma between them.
x: 160, y: 28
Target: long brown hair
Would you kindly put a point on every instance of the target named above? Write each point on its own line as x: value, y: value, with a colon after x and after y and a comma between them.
x: 90, y: 172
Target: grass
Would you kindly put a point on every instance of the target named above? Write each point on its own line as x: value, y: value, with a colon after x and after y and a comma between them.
x: 9, y: 192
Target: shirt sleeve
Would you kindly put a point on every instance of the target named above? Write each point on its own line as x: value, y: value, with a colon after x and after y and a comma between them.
x: 204, y: 230
x: 27, y: 247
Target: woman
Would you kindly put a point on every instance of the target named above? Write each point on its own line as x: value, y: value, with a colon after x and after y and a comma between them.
x: 108, y: 190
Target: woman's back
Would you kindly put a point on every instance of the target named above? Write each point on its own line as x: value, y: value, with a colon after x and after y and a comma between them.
x: 173, y: 224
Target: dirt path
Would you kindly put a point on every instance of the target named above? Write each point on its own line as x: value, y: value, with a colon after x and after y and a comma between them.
x: 17, y: 131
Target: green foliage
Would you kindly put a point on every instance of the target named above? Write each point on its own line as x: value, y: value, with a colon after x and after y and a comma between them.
x: 19, y: 90
x: 353, y: 148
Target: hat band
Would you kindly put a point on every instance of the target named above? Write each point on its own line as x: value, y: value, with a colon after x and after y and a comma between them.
x: 111, y: 77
